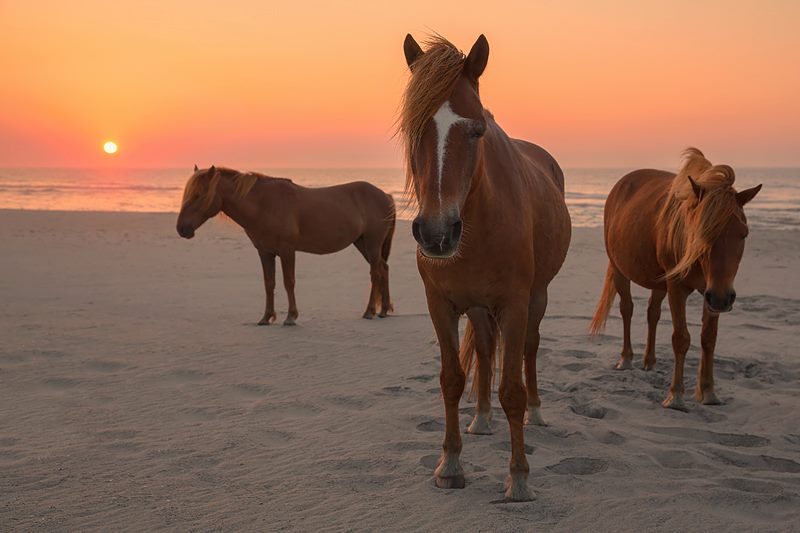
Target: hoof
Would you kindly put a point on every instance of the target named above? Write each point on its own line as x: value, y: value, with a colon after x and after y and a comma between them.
x: 453, y: 482
x: 533, y: 417
x: 449, y: 474
x: 266, y: 320
x: 516, y: 488
x: 707, y: 397
x: 675, y: 401
x: 649, y: 364
x: 625, y: 363
x: 369, y: 315
x: 481, y: 424
x: 383, y: 314
x: 289, y: 322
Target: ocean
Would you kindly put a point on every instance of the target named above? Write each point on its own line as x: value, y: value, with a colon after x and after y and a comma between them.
x: 160, y: 190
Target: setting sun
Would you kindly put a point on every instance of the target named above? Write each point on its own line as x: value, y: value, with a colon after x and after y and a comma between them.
x: 110, y: 147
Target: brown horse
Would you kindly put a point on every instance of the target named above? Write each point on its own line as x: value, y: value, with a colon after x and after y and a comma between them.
x: 493, y: 231
x: 674, y: 234
x: 282, y: 218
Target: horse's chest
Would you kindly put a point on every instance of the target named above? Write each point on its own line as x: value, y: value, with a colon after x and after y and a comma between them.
x: 481, y: 284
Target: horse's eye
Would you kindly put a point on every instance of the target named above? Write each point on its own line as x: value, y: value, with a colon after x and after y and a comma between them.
x: 477, y: 130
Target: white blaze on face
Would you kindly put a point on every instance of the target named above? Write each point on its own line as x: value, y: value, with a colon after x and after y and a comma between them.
x: 445, y: 118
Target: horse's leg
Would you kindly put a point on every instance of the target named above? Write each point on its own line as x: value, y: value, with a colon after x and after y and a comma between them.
x: 287, y: 267
x: 485, y: 338
x: 536, y: 310
x: 449, y: 474
x: 513, y: 323
x: 704, y: 393
x: 268, y: 267
x: 386, y: 303
x: 677, y: 295
x: 623, y: 286
x: 361, y: 245
x: 653, y: 315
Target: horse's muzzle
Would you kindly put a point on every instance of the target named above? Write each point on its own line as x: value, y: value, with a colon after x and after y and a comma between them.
x: 720, y: 303
x: 186, y: 231
x: 438, y: 238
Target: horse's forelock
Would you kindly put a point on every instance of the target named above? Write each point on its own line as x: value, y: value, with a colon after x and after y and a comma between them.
x: 432, y: 79
x: 692, y: 226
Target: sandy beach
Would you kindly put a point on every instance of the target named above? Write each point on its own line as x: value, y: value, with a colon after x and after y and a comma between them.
x: 137, y: 393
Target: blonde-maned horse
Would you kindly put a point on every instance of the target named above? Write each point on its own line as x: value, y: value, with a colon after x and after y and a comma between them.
x: 492, y: 232
x: 282, y: 218
x: 674, y: 234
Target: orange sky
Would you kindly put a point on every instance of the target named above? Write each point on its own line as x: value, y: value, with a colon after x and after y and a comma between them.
x: 314, y: 84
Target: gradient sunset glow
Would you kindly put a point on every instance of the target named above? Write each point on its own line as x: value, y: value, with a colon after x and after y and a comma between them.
x: 317, y: 84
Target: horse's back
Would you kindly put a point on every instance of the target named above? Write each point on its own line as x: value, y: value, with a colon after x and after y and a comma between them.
x: 630, y: 224
x: 542, y: 160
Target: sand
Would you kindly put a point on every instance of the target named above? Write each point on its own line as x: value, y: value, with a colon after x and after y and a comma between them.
x: 137, y: 393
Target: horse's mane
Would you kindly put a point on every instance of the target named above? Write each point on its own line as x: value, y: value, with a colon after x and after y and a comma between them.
x: 205, y: 188
x: 433, y: 76
x: 693, y: 225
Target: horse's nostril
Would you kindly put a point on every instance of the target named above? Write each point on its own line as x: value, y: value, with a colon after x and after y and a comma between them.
x: 455, y: 230
x: 733, y: 297
x: 708, y: 296
x: 415, y: 230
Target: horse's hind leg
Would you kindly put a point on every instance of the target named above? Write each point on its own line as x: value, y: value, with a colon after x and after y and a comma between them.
x: 623, y: 286
x: 370, y: 248
x: 485, y: 330
x: 653, y: 315
x: 536, y: 310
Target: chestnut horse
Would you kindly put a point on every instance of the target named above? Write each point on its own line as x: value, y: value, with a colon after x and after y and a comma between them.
x: 492, y: 232
x: 674, y: 234
x: 282, y: 218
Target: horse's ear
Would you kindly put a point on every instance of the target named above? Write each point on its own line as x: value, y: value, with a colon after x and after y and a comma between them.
x: 211, y: 171
x: 195, y: 167
x: 412, y: 50
x: 477, y: 58
x: 698, y: 190
x: 743, y: 197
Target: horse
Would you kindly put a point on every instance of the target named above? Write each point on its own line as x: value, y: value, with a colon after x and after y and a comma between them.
x: 492, y: 231
x: 282, y: 218
x: 674, y: 234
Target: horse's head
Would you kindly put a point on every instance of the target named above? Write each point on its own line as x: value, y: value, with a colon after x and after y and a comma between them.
x: 721, y: 262
x: 442, y: 125
x: 714, y: 228
x: 201, y: 201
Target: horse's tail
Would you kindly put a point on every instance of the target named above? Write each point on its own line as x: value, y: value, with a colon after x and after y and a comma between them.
x: 387, y: 241
x: 467, y: 357
x: 604, y: 305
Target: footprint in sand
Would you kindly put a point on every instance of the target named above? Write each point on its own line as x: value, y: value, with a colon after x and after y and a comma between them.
x: 589, y: 410
x: 430, y: 425
x: 579, y: 466
x: 505, y: 446
x: 422, y: 378
x: 743, y: 440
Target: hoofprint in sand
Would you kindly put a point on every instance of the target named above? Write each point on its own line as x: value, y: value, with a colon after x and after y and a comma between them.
x: 136, y: 392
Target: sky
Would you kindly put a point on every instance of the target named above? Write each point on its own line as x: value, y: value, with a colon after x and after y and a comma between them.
x: 254, y: 84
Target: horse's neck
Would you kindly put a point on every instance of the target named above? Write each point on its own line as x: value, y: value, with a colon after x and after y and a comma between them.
x: 241, y: 210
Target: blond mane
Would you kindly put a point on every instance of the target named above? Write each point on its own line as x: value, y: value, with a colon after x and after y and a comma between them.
x: 433, y: 76
x: 205, y: 188
x: 693, y: 226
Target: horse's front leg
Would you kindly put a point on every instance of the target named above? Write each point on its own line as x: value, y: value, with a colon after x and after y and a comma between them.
x: 513, y: 397
x: 268, y: 267
x: 449, y: 474
x: 677, y: 295
x: 287, y: 266
x: 704, y: 393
